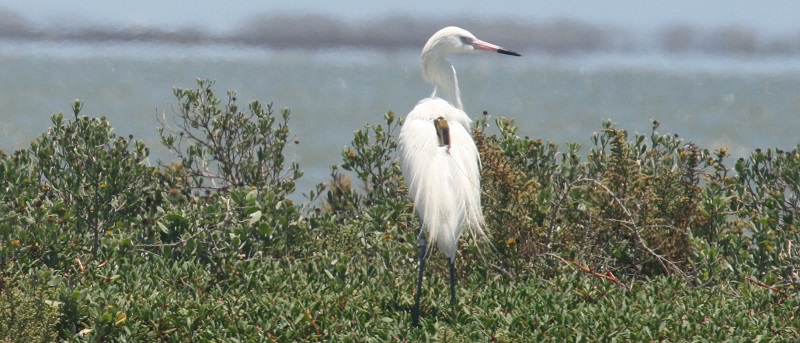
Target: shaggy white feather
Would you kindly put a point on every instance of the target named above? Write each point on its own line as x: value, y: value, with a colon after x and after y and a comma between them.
x: 444, y: 182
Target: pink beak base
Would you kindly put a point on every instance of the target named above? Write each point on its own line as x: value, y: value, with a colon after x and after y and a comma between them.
x: 485, y: 46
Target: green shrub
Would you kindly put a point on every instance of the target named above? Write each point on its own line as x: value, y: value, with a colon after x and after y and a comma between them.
x: 25, y: 314
x: 235, y: 159
x: 221, y: 147
x: 629, y: 208
x: 19, y: 197
x: 761, y: 238
x: 378, y: 205
x: 239, y: 223
x: 77, y: 184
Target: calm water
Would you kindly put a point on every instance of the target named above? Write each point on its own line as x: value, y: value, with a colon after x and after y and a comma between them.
x: 737, y: 103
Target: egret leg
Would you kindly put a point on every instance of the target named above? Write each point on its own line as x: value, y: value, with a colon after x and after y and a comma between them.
x: 452, y: 283
x: 422, y: 250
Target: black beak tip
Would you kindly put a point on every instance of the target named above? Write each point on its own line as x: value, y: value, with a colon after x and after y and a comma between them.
x: 508, y: 52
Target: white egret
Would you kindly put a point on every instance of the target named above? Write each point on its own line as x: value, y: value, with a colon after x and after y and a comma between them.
x: 439, y: 159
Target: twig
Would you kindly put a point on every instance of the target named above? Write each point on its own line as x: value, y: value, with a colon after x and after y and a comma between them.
x: 80, y: 264
x: 500, y: 269
x: 554, y: 214
x: 161, y: 245
x: 313, y: 323
x: 608, y: 276
x: 771, y: 288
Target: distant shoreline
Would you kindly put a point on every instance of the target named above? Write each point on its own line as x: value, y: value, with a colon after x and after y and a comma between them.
x: 559, y: 37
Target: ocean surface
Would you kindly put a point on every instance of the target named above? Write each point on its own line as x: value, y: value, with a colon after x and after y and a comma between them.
x: 741, y: 103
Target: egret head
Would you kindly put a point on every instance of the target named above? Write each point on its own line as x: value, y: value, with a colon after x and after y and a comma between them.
x: 455, y: 40
x: 451, y: 40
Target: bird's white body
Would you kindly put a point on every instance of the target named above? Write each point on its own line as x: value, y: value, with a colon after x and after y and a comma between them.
x: 439, y: 159
x: 443, y: 181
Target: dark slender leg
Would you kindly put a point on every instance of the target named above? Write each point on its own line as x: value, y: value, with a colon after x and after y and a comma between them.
x: 422, y: 250
x: 452, y: 283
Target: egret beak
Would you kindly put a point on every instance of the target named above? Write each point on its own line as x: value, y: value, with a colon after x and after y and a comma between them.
x: 485, y: 46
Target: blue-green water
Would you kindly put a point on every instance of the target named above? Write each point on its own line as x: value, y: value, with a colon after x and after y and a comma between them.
x: 741, y: 104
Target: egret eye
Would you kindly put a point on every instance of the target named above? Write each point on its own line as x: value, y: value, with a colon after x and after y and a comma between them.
x: 466, y: 40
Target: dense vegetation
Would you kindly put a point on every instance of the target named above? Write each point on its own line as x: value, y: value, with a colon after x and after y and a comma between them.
x: 640, y: 238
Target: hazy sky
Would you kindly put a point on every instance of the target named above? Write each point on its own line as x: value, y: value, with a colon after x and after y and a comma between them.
x: 777, y: 16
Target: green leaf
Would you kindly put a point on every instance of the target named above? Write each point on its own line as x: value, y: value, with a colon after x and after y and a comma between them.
x: 265, y: 229
x: 163, y: 227
x: 251, y: 196
x: 255, y: 217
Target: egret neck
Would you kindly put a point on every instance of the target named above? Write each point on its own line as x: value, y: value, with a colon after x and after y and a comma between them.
x: 442, y: 75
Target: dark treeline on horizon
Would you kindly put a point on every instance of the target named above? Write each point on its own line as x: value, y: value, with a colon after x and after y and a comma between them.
x: 314, y: 32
